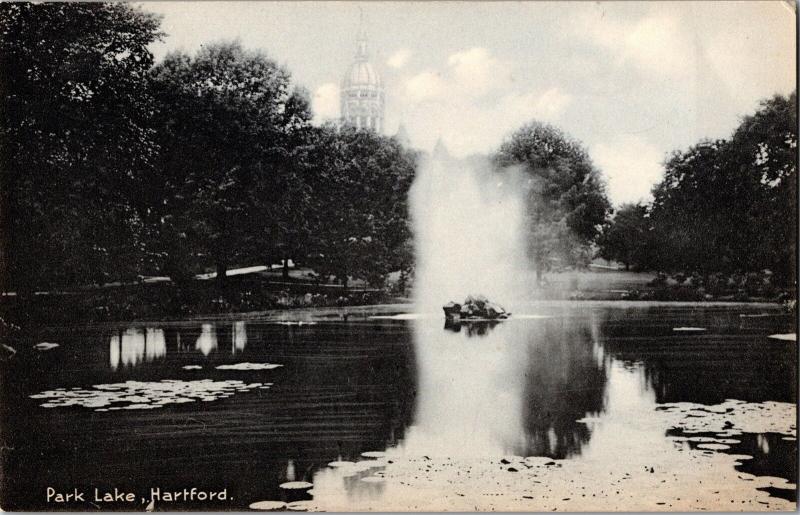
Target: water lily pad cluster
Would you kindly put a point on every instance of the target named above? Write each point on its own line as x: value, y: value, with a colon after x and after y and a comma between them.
x: 248, y: 366
x: 143, y: 395
x: 732, y: 417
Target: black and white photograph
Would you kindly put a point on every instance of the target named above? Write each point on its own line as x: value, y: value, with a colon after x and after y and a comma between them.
x: 398, y: 256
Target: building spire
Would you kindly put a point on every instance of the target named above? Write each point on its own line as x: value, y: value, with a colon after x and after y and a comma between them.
x: 361, y: 38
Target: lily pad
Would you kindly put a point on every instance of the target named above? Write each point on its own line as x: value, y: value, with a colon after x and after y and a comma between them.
x: 337, y: 464
x: 138, y: 395
x: 373, y: 454
x: 298, y: 506
x: 296, y: 485
x: 268, y: 506
x: 248, y: 366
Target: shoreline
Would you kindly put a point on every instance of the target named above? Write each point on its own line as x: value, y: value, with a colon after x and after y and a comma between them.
x: 323, y: 314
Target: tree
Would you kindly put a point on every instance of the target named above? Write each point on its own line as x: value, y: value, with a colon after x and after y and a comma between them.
x: 728, y: 205
x: 229, y: 119
x: 565, y: 197
x: 628, y: 237
x: 360, y: 215
x: 766, y: 143
x: 76, y: 140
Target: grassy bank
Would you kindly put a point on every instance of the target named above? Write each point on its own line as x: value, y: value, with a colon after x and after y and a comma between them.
x: 263, y: 292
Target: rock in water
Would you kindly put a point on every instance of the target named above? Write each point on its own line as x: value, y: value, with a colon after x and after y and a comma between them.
x: 475, y: 306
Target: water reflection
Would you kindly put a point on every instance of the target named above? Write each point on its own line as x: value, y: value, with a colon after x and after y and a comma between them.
x: 724, y: 362
x: 558, y: 382
x: 238, y: 337
x: 469, y: 392
x: 625, y: 427
x: 470, y: 328
x: 207, y: 341
x: 565, y: 380
x: 518, y: 389
x: 136, y: 345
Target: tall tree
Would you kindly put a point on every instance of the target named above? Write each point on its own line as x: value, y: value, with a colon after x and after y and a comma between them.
x: 360, y: 209
x: 75, y: 140
x: 728, y: 205
x: 230, y: 119
x: 766, y: 144
x: 566, y: 199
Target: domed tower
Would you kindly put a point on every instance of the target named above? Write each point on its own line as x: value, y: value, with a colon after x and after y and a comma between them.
x: 362, y: 95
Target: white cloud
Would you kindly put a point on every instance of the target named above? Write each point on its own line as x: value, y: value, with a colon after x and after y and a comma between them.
x: 399, y: 59
x: 425, y: 86
x: 469, y: 127
x: 656, y: 43
x: 631, y: 165
x: 544, y: 106
x: 477, y: 72
x: 472, y: 103
x: 325, y: 102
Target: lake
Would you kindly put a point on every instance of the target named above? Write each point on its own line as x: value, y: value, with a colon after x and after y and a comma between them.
x: 568, y: 405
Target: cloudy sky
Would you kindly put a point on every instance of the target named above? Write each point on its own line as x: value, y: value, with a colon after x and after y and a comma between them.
x: 631, y: 80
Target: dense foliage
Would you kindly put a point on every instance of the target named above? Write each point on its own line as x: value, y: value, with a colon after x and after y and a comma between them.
x: 359, y: 221
x: 76, y: 141
x: 629, y: 238
x: 723, y: 207
x: 566, y: 199
x: 113, y: 168
x: 229, y: 122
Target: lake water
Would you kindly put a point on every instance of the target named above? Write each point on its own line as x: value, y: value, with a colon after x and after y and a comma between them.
x: 649, y: 392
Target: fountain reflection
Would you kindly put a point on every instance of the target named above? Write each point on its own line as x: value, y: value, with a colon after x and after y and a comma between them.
x: 469, y: 393
x: 136, y: 345
x: 519, y: 389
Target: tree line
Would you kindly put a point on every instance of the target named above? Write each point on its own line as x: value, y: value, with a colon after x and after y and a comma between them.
x: 723, y: 207
x: 114, y: 167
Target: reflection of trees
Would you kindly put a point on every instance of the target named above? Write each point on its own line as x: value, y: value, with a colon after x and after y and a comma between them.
x: 470, y: 328
x: 727, y: 361
x: 352, y: 384
x: 565, y: 382
x: 136, y: 345
x: 344, y: 389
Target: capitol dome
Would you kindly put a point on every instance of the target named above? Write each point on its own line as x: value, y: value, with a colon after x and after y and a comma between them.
x: 361, y: 73
x: 362, y: 93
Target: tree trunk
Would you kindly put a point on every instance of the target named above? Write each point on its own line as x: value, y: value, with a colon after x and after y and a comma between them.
x: 286, y: 268
x: 222, y: 274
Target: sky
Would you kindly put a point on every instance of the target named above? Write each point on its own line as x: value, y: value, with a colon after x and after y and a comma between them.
x: 633, y: 81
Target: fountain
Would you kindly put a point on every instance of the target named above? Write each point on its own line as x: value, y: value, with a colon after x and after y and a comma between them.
x: 469, y: 239
x: 468, y: 231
